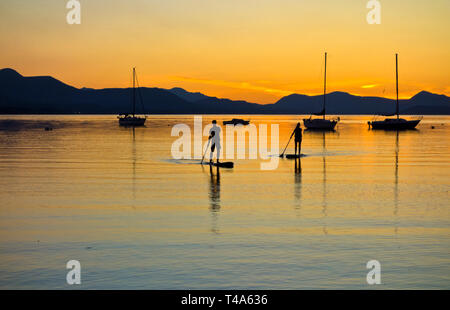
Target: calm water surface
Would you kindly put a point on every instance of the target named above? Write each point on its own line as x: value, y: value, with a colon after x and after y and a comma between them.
x: 114, y: 199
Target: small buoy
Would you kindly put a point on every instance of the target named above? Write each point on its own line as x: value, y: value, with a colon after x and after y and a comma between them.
x: 432, y: 127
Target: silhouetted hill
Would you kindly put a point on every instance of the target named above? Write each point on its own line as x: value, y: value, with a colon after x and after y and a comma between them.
x: 188, y: 96
x: 47, y: 95
x: 44, y: 94
x: 32, y: 94
x: 344, y: 103
x: 427, y: 103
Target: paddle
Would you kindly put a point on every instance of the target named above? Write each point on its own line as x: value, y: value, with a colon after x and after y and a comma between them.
x: 282, y: 154
x: 201, y: 163
x: 227, y: 164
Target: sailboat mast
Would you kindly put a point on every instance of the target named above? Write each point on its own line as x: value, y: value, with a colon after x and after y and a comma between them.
x: 134, y: 92
x: 325, y: 85
x: 396, y: 79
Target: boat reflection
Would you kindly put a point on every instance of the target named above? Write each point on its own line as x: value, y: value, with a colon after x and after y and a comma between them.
x: 324, y: 182
x: 396, y: 183
x: 133, y: 165
x: 298, y: 168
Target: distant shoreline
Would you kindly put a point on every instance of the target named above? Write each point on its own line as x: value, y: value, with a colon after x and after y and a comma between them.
x: 149, y: 114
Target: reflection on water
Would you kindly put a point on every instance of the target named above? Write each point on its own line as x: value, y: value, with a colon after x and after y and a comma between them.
x: 134, y: 158
x: 298, y: 182
x: 324, y: 181
x: 324, y: 210
x: 396, y: 182
x: 113, y: 199
x: 214, y: 195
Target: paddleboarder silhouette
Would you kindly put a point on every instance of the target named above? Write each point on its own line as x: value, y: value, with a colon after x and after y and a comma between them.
x: 214, y: 136
x: 298, y: 139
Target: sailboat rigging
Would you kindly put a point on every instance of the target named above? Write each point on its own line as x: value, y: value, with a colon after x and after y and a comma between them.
x: 321, y: 123
x: 395, y: 123
x: 133, y: 119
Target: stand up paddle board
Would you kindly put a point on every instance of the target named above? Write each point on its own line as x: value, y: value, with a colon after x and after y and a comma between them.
x: 227, y: 164
x: 293, y: 156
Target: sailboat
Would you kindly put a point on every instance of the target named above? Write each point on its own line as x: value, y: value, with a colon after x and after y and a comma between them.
x: 133, y: 119
x: 395, y: 123
x: 321, y: 123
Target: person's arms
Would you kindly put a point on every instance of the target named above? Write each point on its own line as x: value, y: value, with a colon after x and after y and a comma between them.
x: 292, y: 134
x: 211, y: 134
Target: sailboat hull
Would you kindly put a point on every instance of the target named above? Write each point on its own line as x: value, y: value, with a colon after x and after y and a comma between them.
x: 394, y: 124
x: 319, y: 124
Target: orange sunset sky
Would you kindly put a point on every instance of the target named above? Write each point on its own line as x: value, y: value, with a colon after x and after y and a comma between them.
x: 254, y: 50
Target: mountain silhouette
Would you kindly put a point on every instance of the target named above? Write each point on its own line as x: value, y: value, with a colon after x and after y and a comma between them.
x: 188, y: 96
x: 47, y: 95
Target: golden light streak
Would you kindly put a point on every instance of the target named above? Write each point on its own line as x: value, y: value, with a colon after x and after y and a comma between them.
x: 237, y: 85
x: 369, y: 86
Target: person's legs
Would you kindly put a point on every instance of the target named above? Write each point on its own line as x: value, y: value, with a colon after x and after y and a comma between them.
x: 218, y: 152
x: 213, y: 146
x: 300, y: 147
x: 296, y: 143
